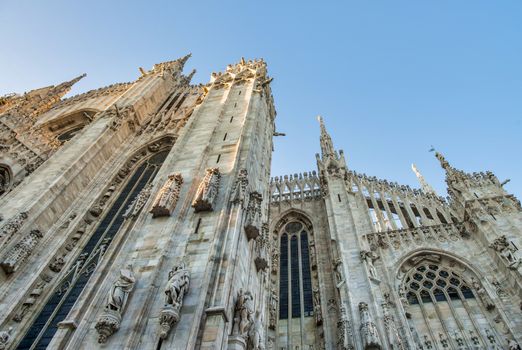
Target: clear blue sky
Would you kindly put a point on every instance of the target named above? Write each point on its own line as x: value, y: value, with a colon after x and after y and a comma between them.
x: 391, y: 78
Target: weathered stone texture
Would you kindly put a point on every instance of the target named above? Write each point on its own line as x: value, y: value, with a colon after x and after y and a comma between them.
x: 142, y: 216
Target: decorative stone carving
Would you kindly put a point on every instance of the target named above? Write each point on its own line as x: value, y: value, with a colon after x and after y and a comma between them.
x: 167, y: 196
x: 392, y: 332
x: 338, y: 268
x: 5, y: 336
x: 275, y: 259
x: 110, y: 320
x: 262, y: 246
x: 253, y: 215
x: 344, y: 333
x: 272, y: 311
x: 506, y: 251
x: 12, y: 226
x: 317, y: 307
x: 57, y: 264
x: 313, y: 256
x: 483, y: 295
x: 240, y: 188
x: 207, y: 191
x: 17, y: 255
x: 369, y: 333
x: 243, y: 314
x: 28, y: 302
x: 369, y: 257
x: 255, y: 335
x: 177, y: 286
x: 138, y: 202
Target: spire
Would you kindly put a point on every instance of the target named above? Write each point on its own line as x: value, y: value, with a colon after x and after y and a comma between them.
x: 327, y: 148
x: 62, y: 89
x: 443, y: 162
x: 424, y: 185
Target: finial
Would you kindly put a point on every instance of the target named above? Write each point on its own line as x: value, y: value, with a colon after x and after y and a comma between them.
x: 443, y: 162
x: 243, y: 60
x: 424, y: 185
x: 191, y: 74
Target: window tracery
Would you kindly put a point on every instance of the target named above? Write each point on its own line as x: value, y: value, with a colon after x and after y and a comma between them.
x: 74, y: 280
x: 447, y: 306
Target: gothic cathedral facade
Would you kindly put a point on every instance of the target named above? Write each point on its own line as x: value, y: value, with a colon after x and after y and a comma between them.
x: 143, y: 215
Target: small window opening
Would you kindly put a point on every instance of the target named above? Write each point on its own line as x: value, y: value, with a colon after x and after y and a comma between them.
x: 235, y: 104
x: 239, y: 92
x: 197, y: 226
x: 218, y: 158
x: 231, y: 118
x: 339, y: 197
x: 225, y: 137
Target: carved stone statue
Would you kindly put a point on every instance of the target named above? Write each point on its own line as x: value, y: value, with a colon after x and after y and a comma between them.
x: 317, y: 306
x: 506, y: 251
x: 110, y: 320
x: 177, y: 286
x: 240, y: 188
x: 369, y: 333
x: 369, y: 257
x: 243, y: 313
x: 338, y: 270
x: 17, y: 255
x: 138, y: 202
x: 207, y: 191
x: 253, y: 215
x: 483, y: 295
x: 5, y: 336
x: 262, y: 245
x: 255, y: 335
x: 167, y: 196
x: 274, y: 300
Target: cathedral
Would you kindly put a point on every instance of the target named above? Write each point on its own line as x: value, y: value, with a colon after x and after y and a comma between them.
x: 144, y: 215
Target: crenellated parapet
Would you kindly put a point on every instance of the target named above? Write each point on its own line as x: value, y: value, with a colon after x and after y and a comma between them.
x: 303, y: 186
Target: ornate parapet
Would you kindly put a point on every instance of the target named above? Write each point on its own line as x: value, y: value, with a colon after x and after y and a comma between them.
x: 167, y: 196
x: 207, y: 191
x: 19, y: 253
x: 395, y: 239
x: 304, y: 186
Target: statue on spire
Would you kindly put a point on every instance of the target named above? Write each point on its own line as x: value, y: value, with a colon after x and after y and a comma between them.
x: 424, y: 185
x: 327, y: 148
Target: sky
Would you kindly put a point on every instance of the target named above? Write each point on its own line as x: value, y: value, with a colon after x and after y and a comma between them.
x: 390, y: 78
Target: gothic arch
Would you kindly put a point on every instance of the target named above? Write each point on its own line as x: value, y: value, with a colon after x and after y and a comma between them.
x: 447, y: 302
x: 67, y: 126
x: 297, y: 289
x: 112, y: 213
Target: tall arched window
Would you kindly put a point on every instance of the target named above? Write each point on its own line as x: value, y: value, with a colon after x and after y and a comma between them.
x: 295, y: 280
x: 448, y: 306
x: 74, y: 281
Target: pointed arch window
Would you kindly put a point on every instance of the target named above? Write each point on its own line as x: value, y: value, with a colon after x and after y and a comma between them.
x: 74, y: 280
x: 295, y: 279
x: 447, y: 304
